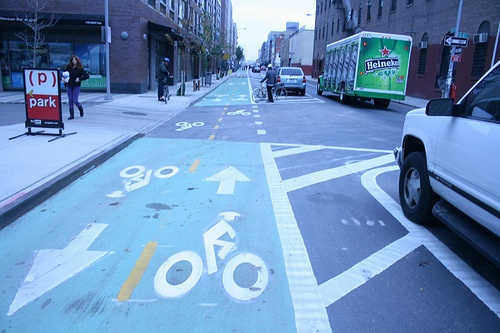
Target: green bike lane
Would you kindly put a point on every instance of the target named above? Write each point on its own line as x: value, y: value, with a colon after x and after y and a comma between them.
x: 176, y: 235
x: 235, y: 91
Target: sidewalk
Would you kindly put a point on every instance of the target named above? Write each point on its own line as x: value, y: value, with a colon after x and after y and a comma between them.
x: 33, y: 169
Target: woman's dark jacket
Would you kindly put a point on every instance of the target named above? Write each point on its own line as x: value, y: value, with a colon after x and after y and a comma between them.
x: 76, y: 73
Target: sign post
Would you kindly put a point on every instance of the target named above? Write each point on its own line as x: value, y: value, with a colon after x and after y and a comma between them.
x: 42, y: 96
x: 453, y: 41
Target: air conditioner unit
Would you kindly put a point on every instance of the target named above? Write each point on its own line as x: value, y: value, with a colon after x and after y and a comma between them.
x: 480, y: 38
x: 422, y: 45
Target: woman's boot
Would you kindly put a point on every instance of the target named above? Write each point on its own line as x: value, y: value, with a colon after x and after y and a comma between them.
x: 71, y: 113
x: 81, y: 110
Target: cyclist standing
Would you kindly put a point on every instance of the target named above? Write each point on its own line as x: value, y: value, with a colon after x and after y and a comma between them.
x: 162, y: 75
x: 270, y: 79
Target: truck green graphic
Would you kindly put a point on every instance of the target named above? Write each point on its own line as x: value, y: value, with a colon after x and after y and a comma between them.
x: 365, y: 66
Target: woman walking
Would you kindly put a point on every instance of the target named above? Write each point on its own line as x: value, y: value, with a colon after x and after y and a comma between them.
x: 76, y: 74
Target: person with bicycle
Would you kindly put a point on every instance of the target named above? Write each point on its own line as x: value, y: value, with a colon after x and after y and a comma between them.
x: 270, y: 79
x: 161, y: 75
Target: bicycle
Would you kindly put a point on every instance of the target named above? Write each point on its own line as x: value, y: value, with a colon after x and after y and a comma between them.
x: 280, y: 92
x: 260, y: 94
x: 166, y: 92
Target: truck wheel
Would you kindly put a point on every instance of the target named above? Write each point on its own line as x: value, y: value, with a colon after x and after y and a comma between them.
x: 318, y: 90
x: 344, y: 99
x: 381, y: 103
x: 415, y: 193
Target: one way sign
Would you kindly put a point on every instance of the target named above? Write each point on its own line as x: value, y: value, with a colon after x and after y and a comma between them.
x: 455, y: 41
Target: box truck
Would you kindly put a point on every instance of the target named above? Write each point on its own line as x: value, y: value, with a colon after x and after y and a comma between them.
x: 367, y: 66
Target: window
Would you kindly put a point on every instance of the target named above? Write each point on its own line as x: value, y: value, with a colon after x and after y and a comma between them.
x: 151, y: 3
x: 333, y: 26
x: 409, y: 3
x: 479, y: 59
x: 369, y: 11
x: 380, y: 5
x: 163, y: 7
x: 480, y: 51
x: 422, y: 57
x: 394, y: 4
x: 422, y: 61
x: 360, y: 14
x: 484, y: 101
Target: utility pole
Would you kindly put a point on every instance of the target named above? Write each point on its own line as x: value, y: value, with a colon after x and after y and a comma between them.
x: 449, y: 77
x: 108, y: 40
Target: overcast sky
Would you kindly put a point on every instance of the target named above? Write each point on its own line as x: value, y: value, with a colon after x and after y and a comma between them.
x: 256, y: 18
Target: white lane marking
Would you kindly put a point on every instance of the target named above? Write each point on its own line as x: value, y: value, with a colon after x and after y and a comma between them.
x: 227, y: 179
x: 261, y: 132
x: 296, y: 150
x: 339, y: 286
x: 258, y: 123
x: 291, y: 146
x: 486, y: 292
x: 52, y: 266
x: 329, y: 174
x: 310, y: 314
x: 250, y: 91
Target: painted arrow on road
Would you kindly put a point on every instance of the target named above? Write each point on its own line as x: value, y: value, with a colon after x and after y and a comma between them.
x: 52, y: 267
x: 228, y: 179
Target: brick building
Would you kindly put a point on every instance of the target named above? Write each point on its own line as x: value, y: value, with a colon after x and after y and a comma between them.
x: 142, y: 33
x: 427, y: 22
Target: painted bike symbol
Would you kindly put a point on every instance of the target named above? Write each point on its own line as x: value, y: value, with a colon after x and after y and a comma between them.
x: 184, y: 125
x: 212, y: 239
x: 136, y: 176
x: 239, y: 112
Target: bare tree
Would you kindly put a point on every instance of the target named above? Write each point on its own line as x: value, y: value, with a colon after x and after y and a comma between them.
x: 36, y: 22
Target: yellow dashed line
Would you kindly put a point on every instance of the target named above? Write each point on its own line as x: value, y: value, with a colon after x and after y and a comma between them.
x: 211, y: 137
x: 137, y: 272
x: 195, y: 165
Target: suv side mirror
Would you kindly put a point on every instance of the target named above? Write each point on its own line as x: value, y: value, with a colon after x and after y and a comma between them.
x: 439, y: 107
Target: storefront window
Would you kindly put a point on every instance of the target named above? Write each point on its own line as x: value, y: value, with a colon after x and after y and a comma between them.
x: 94, y: 63
x: 20, y: 56
x: 14, y: 56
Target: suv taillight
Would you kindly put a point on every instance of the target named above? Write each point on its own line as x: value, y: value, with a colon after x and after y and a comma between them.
x: 278, y: 79
x: 304, y: 79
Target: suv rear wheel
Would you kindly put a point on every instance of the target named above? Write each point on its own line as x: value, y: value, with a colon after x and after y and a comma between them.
x: 415, y: 193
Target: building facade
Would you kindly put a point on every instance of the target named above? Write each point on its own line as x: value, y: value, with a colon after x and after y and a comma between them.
x: 142, y: 32
x: 430, y: 23
x: 297, y: 50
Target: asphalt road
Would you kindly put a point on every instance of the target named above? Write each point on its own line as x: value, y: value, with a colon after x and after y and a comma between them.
x: 235, y: 216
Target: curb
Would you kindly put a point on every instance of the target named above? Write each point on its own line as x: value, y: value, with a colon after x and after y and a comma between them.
x: 20, y: 206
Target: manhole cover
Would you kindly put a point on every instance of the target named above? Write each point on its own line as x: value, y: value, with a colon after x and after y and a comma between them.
x: 135, y: 113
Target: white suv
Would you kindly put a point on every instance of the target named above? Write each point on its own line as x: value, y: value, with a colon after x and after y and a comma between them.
x: 450, y: 164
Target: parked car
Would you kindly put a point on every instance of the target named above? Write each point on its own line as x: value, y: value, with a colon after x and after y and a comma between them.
x: 450, y: 164
x: 292, y: 78
x: 256, y: 69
